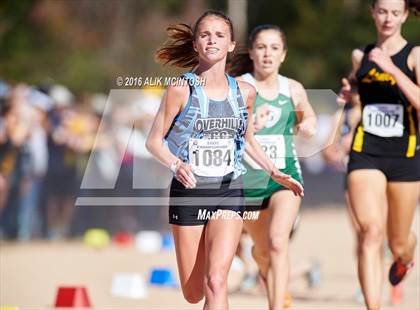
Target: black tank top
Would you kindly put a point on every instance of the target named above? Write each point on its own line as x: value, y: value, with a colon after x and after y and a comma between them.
x: 389, y: 124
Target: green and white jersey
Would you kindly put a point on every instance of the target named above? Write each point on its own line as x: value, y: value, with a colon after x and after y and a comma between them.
x: 274, y: 121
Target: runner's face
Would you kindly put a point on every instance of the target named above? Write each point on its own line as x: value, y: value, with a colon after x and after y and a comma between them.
x: 213, y: 40
x: 267, y: 52
x: 389, y: 16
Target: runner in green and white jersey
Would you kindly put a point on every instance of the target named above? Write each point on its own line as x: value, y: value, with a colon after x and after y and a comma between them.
x: 274, y: 122
x: 281, y: 109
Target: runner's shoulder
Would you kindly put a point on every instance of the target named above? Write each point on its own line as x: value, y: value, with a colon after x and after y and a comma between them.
x: 178, y: 93
x: 247, y: 88
x: 357, y: 55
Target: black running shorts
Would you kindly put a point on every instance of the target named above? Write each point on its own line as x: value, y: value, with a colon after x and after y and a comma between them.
x: 396, y: 169
x: 188, y: 207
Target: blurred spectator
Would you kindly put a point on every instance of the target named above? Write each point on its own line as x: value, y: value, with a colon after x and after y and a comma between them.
x: 17, y: 122
x: 65, y: 140
x: 35, y: 160
x: 4, y: 94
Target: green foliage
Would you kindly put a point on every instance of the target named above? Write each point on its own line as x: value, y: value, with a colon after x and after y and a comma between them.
x: 86, y: 44
x: 321, y: 35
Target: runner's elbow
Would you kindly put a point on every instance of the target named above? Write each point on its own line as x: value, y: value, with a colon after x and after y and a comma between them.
x: 150, y: 145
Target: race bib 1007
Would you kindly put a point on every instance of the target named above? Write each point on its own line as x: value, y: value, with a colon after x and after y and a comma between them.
x: 384, y: 120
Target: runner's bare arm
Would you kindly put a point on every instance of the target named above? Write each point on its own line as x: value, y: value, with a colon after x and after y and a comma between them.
x: 349, y: 92
x: 172, y: 103
x: 305, y: 113
x: 170, y: 106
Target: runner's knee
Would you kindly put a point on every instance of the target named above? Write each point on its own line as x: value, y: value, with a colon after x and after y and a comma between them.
x: 372, y: 235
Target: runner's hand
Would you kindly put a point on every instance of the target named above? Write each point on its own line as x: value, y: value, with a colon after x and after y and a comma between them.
x: 287, y: 181
x: 307, y: 128
x: 185, y: 175
x: 344, y: 95
x: 382, y: 59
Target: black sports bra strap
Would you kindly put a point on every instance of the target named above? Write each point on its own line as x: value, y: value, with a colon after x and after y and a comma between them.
x: 406, y: 50
x: 368, y: 48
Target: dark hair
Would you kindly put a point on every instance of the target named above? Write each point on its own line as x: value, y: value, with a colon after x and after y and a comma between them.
x: 178, y: 50
x: 412, y: 5
x: 241, y: 63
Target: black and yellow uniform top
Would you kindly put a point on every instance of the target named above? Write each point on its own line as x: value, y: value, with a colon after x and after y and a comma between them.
x: 389, y: 124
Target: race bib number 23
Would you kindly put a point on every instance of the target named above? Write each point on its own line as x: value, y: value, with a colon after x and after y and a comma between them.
x: 274, y: 148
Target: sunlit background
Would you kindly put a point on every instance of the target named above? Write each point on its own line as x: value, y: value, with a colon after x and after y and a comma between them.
x: 63, y: 115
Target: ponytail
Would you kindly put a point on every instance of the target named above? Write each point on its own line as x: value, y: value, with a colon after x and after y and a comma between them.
x: 178, y: 50
x: 240, y: 63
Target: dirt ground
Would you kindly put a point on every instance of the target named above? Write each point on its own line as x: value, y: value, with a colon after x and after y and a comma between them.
x: 31, y: 272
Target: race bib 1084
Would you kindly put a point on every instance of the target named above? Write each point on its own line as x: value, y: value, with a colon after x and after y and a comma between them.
x: 212, y: 157
x: 384, y: 120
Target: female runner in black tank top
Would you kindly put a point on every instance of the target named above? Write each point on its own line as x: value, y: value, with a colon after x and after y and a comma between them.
x: 384, y: 160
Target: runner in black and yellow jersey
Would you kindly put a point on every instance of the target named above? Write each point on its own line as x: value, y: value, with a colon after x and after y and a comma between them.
x: 384, y: 166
